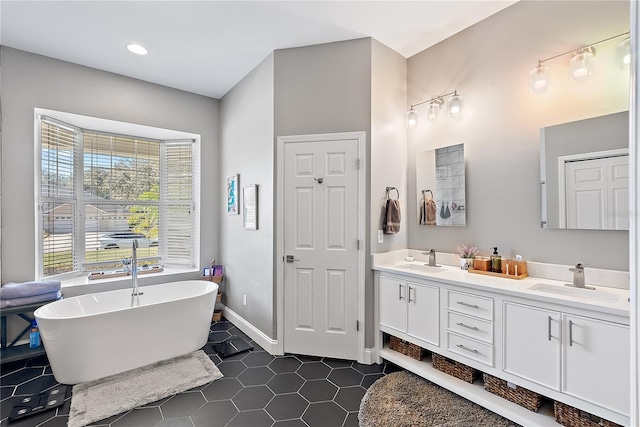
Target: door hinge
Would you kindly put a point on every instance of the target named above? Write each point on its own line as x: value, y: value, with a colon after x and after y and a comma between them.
x: 357, y: 163
x: 357, y: 325
x: 358, y: 244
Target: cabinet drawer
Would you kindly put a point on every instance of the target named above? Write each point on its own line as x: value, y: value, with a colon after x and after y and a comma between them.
x: 473, y: 305
x: 470, y: 326
x: 470, y: 348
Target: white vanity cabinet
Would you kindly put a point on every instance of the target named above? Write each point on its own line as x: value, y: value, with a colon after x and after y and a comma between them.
x: 595, y: 362
x: 531, y: 346
x: 470, y: 326
x: 572, y: 351
x: 409, y: 307
x: 392, y: 307
x: 579, y: 356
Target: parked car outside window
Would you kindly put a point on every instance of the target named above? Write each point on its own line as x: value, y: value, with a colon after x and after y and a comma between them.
x: 124, y: 240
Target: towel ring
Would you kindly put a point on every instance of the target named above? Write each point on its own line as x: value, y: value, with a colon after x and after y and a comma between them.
x: 427, y: 191
x: 393, y: 188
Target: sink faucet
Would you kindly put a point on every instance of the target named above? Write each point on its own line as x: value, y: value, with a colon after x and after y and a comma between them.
x: 578, y: 277
x: 134, y: 273
x: 432, y: 257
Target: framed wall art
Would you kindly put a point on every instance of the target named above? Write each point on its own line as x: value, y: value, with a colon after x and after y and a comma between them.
x: 250, y: 207
x: 232, y: 195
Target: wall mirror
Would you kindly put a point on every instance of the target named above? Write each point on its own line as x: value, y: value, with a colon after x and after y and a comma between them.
x: 584, y: 172
x: 441, y: 186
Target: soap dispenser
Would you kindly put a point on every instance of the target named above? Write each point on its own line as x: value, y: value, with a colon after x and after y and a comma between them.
x: 496, y: 261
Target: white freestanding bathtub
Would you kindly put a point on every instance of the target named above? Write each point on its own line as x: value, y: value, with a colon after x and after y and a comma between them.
x: 91, y: 336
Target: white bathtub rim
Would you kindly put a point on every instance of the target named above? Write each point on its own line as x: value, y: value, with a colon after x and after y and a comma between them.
x: 41, y: 312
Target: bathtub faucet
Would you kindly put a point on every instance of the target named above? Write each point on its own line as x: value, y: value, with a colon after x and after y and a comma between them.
x: 134, y: 273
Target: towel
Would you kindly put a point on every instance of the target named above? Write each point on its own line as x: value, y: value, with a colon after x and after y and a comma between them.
x: 423, y: 211
x: 431, y: 212
x: 28, y: 289
x: 15, y: 302
x: 392, y: 217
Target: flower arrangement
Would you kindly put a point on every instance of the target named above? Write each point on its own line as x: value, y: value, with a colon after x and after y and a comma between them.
x: 467, y: 251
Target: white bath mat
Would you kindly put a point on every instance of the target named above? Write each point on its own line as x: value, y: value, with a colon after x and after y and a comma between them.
x: 105, y: 397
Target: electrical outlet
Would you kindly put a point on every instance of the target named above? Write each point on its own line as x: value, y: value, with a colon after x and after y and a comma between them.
x: 380, y: 236
x: 244, y: 300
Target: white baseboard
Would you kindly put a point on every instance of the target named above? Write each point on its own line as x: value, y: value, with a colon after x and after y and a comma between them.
x: 369, y: 356
x: 270, y: 345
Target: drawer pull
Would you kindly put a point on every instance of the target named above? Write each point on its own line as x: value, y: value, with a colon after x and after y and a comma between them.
x: 467, y: 348
x: 467, y: 326
x: 570, y: 333
x: 549, y: 333
x: 410, y: 300
x: 400, y: 291
x: 467, y: 305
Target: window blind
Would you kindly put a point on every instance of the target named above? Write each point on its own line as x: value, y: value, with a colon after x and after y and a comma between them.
x: 179, y: 239
x: 58, y: 206
x: 99, y: 192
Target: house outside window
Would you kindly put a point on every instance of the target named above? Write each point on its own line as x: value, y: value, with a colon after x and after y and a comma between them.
x: 98, y: 191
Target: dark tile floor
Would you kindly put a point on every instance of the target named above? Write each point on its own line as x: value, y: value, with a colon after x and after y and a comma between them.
x: 257, y: 390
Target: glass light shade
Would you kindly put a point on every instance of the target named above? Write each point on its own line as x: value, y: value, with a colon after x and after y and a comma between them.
x: 412, y: 118
x: 432, y: 111
x: 581, y: 65
x: 623, y: 54
x: 455, y: 105
x: 539, y: 79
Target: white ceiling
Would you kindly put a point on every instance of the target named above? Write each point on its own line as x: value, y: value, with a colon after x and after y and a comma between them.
x: 206, y: 47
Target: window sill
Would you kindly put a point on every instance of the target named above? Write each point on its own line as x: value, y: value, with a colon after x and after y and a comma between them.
x: 81, y: 285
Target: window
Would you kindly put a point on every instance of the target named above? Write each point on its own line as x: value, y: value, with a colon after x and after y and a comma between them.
x: 100, y: 191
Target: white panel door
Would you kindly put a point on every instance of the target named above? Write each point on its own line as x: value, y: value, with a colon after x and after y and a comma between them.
x: 532, y: 344
x: 597, y: 193
x: 596, y: 362
x: 320, y: 242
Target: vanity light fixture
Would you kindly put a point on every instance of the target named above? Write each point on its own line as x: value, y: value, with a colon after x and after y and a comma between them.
x: 434, y: 106
x: 580, y: 64
x: 412, y: 118
x: 623, y: 53
x: 137, y: 49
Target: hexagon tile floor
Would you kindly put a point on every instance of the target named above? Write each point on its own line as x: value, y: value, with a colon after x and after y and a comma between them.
x: 257, y: 390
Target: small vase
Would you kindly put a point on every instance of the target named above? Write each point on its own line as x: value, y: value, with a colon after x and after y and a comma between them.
x: 465, y: 263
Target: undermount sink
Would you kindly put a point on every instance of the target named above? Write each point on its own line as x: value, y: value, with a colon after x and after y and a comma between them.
x: 592, y: 294
x: 420, y: 266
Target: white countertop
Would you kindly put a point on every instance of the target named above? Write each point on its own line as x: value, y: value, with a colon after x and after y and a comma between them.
x: 609, y: 300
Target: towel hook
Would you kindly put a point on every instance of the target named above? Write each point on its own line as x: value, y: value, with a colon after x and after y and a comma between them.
x: 393, y: 188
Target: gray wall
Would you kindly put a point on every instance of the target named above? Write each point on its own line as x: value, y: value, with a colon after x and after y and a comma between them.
x: 388, y: 164
x: 247, y: 149
x: 325, y: 89
x: 488, y: 64
x: 30, y: 81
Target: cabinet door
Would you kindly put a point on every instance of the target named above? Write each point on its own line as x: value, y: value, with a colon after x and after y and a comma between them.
x: 423, y: 317
x: 392, y: 304
x: 596, y: 362
x: 532, y: 344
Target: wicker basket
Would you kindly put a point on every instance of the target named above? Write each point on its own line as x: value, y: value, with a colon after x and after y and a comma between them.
x: 217, y: 316
x: 408, y: 349
x: 452, y: 367
x: 574, y: 417
x: 520, y: 395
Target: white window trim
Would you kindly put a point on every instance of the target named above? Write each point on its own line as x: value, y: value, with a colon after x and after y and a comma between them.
x: 120, y: 128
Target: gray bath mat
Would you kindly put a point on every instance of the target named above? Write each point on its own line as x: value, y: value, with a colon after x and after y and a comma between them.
x: 105, y: 397
x: 403, y: 399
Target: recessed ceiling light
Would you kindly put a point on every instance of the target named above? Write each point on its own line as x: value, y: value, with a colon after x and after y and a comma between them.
x: 137, y: 49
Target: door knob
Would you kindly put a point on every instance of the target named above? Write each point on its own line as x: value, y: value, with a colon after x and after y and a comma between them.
x: 290, y: 258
